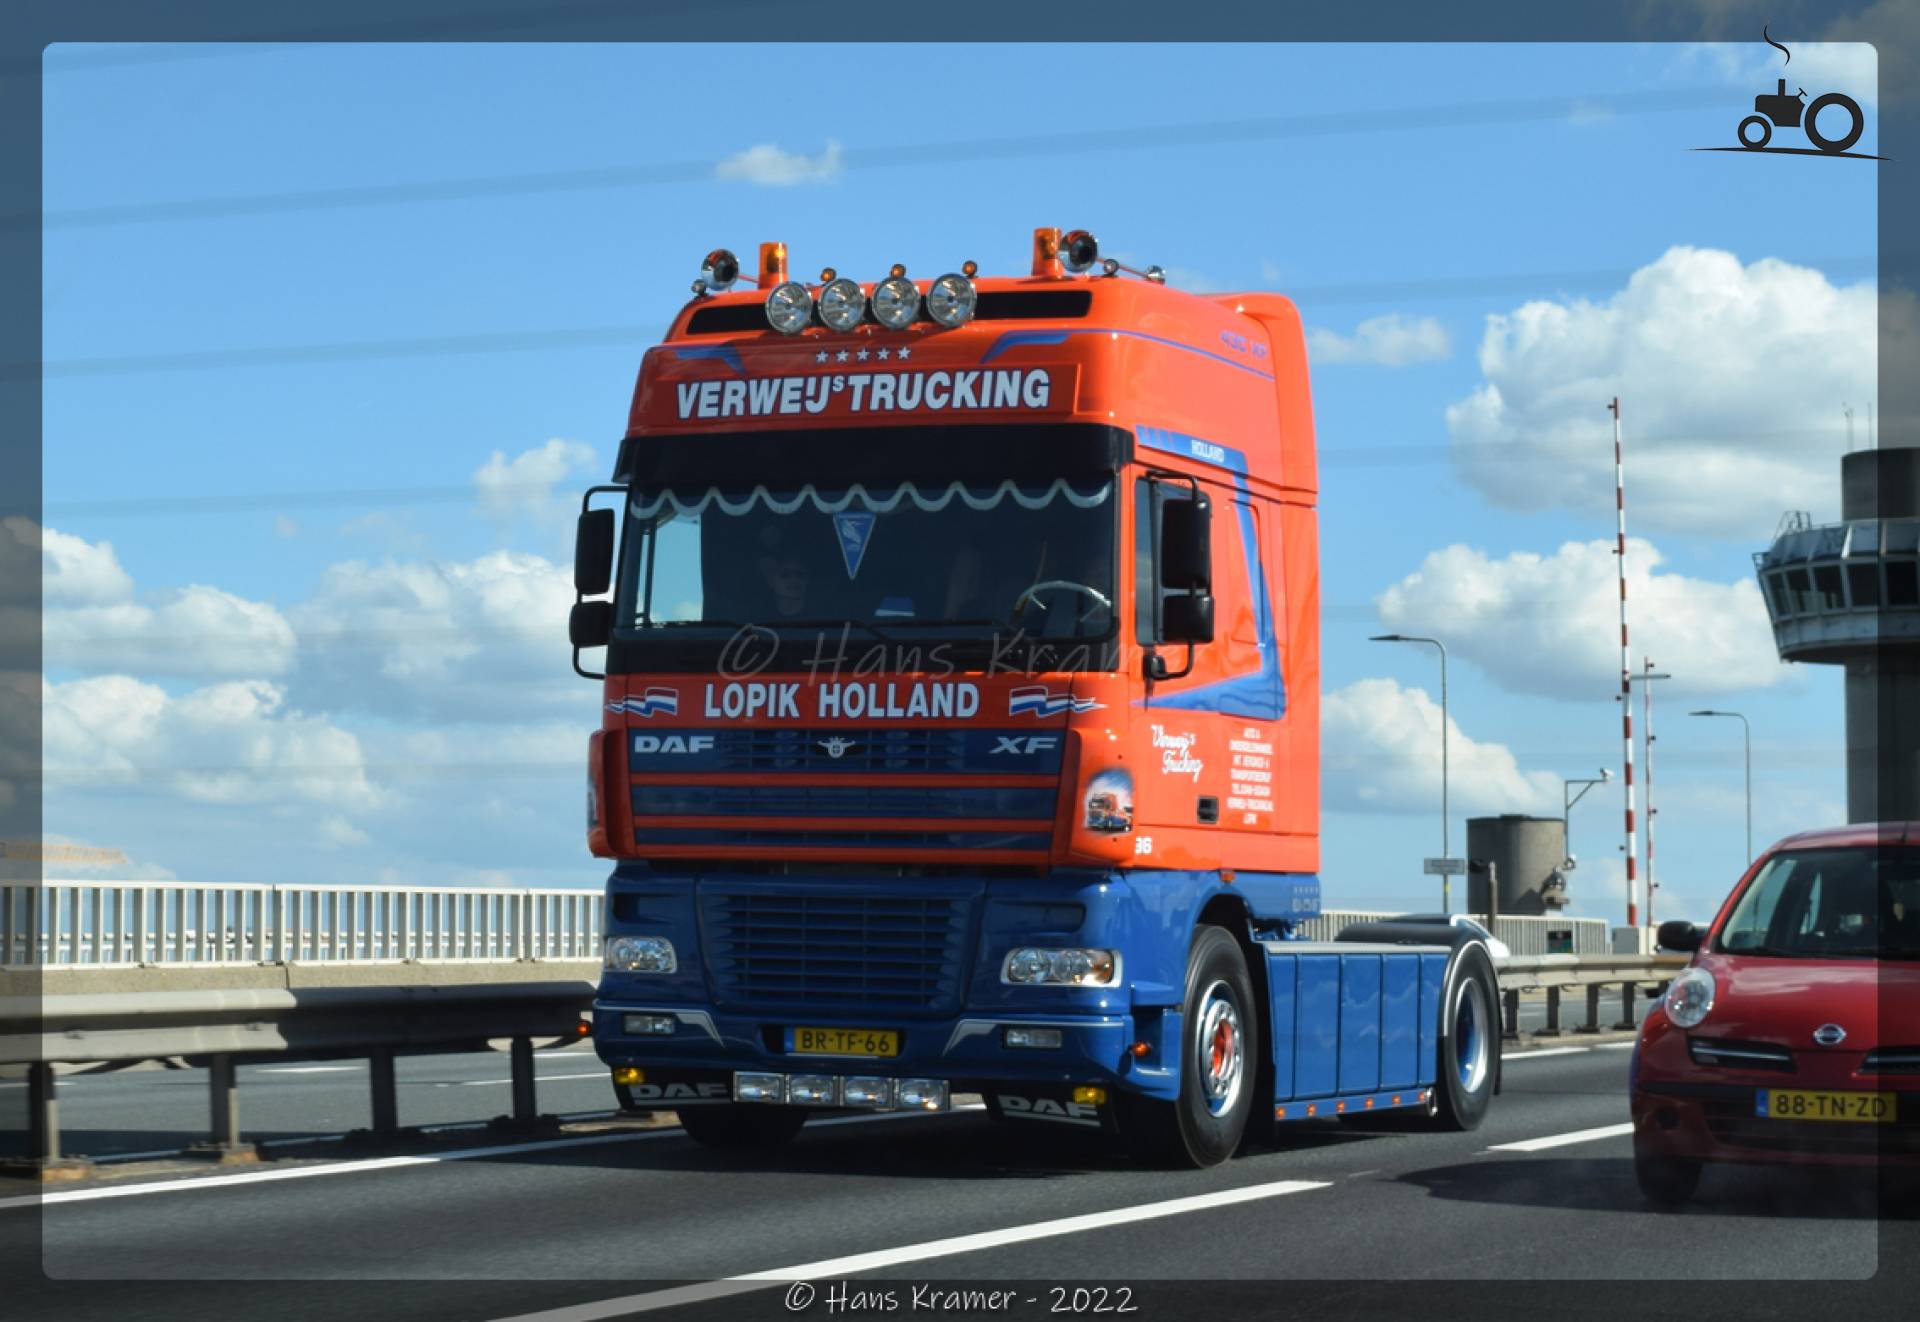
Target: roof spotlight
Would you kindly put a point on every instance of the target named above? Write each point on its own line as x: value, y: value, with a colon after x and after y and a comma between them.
x: 950, y: 300
x: 789, y: 307
x: 1079, y: 250
x: 842, y: 305
x: 717, y: 272
x: 896, y: 302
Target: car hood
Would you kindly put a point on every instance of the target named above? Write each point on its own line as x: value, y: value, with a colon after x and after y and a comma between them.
x: 1784, y: 1000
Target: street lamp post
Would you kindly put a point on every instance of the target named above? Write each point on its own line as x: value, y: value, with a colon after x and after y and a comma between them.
x: 1747, y: 729
x: 1568, y: 798
x: 1446, y: 851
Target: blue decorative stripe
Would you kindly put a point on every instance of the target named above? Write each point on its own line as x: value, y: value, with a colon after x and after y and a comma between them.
x: 726, y: 353
x: 1192, y: 447
x: 801, y: 839
x: 1015, y: 339
x: 843, y: 801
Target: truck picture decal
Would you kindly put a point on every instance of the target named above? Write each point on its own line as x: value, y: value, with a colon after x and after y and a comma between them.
x: 655, y: 701
x: 1038, y: 700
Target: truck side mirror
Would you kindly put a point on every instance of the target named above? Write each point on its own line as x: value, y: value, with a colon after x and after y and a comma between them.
x: 590, y: 624
x: 593, y: 553
x: 1677, y: 934
x: 1188, y: 619
x: 1186, y: 544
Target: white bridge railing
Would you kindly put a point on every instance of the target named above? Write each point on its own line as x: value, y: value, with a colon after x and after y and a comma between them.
x: 104, y: 924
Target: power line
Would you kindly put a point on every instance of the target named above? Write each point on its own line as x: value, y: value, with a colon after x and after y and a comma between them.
x: 896, y: 156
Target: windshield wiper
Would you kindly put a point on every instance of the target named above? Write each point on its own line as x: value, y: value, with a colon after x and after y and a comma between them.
x: 830, y: 624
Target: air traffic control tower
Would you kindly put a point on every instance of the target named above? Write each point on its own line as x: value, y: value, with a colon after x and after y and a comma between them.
x: 1848, y: 594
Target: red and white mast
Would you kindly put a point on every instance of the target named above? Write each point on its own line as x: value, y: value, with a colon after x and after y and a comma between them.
x: 1626, y: 661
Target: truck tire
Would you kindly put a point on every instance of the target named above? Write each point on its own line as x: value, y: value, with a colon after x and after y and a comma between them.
x: 1665, y: 1182
x: 1219, y: 1046
x: 1469, y: 1047
x: 733, y: 1126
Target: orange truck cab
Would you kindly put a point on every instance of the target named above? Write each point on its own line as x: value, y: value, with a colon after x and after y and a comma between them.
x: 960, y: 728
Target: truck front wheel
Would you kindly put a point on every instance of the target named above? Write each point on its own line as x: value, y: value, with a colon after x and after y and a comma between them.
x: 733, y: 1126
x: 1218, y: 1063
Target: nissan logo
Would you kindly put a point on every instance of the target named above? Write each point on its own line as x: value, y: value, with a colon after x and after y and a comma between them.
x: 1829, y: 1035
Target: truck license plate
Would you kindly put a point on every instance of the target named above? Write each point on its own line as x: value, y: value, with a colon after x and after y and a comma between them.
x: 1874, y: 1108
x: 845, y: 1042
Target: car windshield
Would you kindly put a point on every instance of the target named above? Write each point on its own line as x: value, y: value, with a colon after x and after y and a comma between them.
x: 1840, y: 903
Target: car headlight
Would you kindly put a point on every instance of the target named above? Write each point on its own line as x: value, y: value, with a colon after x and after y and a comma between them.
x: 1690, y: 997
x: 1075, y: 967
x: 641, y: 954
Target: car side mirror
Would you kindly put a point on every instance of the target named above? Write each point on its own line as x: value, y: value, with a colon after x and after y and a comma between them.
x: 593, y: 552
x: 1677, y: 934
x: 590, y: 624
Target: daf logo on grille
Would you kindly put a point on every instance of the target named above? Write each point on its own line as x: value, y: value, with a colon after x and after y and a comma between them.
x: 1829, y: 1035
x: 836, y: 747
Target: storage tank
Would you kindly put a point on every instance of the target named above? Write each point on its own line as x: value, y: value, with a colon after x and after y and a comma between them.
x: 1527, y: 853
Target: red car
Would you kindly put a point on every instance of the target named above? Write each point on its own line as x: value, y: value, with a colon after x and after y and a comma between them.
x: 1794, y: 1035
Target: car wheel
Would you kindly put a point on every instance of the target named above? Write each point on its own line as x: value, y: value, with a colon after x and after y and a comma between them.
x: 1666, y: 1182
x: 733, y: 1126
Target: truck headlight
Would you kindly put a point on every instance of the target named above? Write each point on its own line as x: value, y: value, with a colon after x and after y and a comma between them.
x: 1074, y: 967
x: 641, y: 954
x: 1690, y: 997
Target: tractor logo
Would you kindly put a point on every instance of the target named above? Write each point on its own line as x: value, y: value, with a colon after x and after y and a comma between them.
x: 1780, y: 109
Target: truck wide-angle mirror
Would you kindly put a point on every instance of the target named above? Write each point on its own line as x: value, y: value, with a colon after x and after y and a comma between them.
x: 590, y: 624
x: 593, y: 553
x: 1187, y: 619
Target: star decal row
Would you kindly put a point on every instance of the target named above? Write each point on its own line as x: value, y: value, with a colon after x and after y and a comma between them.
x: 860, y: 355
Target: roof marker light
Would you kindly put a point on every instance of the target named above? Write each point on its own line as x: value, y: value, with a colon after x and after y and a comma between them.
x: 896, y: 303
x: 1079, y: 250
x: 842, y: 305
x: 790, y: 307
x: 950, y: 300
x: 969, y: 269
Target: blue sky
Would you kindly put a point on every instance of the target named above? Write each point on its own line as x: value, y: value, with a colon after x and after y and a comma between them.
x: 345, y: 560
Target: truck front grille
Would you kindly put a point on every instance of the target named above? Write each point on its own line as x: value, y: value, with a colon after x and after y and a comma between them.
x: 777, y: 946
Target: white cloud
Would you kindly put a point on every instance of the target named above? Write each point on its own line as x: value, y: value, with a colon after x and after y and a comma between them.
x: 1849, y: 66
x: 1550, y: 624
x: 230, y: 743
x: 1390, y: 341
x: 338, y: 833
x: 1730, y: 379
x: 522, y: 487
x: 766, y: 164
x: 481, y: 640
x: 1380, y: 751
x: 91, y: 620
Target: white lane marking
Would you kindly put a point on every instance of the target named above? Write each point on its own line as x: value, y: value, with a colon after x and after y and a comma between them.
x: 1562, y: 1140
x: 309, y: 1069
x: 859, y: 1263
x: 540, y: 1078
x: 429, y: 1159
x: 1617, y: 1046
x: 1549, y: 1051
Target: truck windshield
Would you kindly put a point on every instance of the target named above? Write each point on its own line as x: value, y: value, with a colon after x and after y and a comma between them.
x: 931, y: 558
x: 1841, y: 903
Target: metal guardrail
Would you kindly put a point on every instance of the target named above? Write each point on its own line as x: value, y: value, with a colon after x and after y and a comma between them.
x: 106, y: 924
x: 1524, y: 936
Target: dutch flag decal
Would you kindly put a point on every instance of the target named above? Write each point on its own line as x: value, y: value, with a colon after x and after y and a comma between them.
x: 1037, y: 701
x: 654, y: 701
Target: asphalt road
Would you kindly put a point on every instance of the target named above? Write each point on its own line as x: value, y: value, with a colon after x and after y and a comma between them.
x: 614, y: 1223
